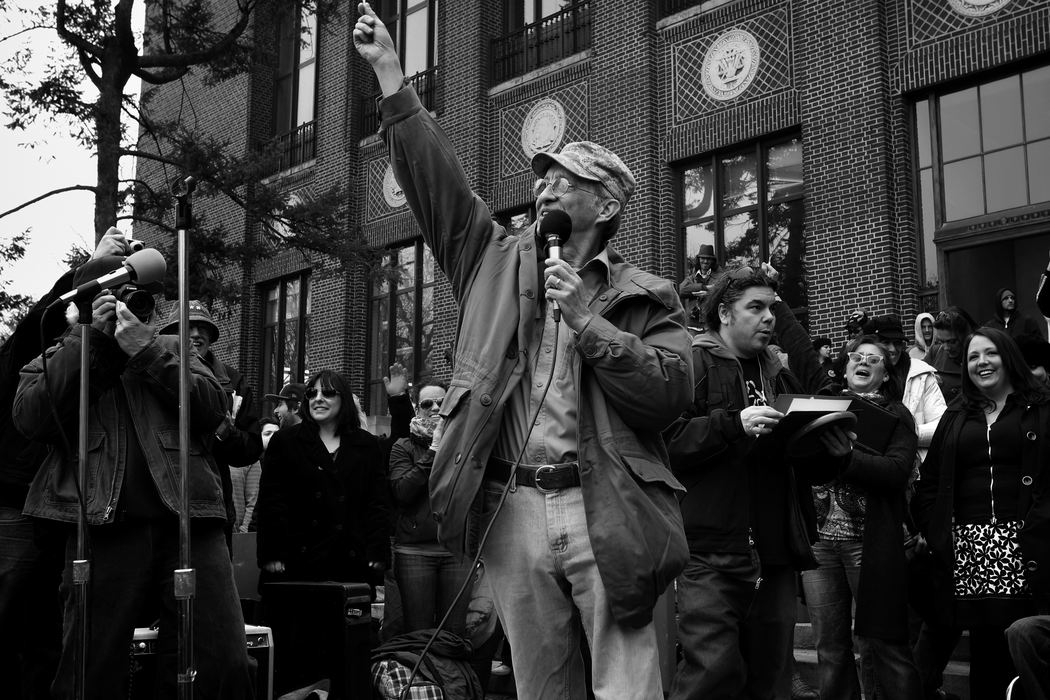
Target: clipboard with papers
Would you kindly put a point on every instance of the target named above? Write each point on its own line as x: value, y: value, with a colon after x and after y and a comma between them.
x: 806, y: 416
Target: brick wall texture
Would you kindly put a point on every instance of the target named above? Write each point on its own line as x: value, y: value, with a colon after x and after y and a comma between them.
x: 842, y: 76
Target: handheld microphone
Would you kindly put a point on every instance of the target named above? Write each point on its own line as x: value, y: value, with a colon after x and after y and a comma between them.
x: 555, y: 228
x: 144, y: 267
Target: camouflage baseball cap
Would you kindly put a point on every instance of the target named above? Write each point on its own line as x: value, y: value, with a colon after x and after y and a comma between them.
x: 590, y: 161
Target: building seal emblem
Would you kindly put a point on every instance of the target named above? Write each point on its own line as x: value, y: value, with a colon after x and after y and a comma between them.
x: 392, y: 192
x: 977, y: 8
x: 730, y: 65
x: 544, y: 127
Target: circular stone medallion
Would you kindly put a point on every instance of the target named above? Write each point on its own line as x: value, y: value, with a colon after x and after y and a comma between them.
x: 977, y: 8
x: 544, y: 127
x: 730, y: 65
x: 392, y: 192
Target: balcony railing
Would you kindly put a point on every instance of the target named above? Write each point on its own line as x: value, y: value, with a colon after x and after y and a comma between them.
x: 669, y: 7
x: 296, y: 146
x: 426, y: 85
x: 541, y: 43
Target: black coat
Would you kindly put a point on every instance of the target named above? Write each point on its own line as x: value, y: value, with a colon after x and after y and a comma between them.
x: 325, y: 520
x: 934, y: 501
x: 882, y: 599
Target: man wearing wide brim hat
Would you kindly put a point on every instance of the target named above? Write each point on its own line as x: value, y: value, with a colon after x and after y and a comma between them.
x: 237, y: 441
x: 693, y: 288
x: 287, y: 404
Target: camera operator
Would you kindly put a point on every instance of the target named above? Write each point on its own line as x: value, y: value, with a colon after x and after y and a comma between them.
x: 131, y: 499
x: 31, y: 557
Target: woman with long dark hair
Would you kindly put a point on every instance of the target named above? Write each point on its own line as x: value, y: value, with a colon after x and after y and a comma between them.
x: 981, y: 503
x: 323, y: 501
x: 860, y: 554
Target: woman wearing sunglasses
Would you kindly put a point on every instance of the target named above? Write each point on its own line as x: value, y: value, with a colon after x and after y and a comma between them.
x: 860, y: 518
x: 323, y: 501
x: 428, y: 576
x: 982, y: 504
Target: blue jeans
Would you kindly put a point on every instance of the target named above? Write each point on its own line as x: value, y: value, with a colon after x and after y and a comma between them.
x: 428, y: 584
x: 30, y: 612
x: 132, y: 571
x: 1029, y: 642
x: 830, y: 591
x: 546, y: 587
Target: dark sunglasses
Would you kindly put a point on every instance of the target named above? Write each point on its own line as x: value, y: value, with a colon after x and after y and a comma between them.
x: 327, y: 393
x: 427, y: 404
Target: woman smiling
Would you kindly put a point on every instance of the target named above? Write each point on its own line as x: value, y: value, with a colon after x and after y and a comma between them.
x: 860, y: 517
x: 981, y: 504
x: 323, y: 503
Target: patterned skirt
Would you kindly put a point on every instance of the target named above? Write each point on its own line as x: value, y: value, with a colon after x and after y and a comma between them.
x: 990, y: 583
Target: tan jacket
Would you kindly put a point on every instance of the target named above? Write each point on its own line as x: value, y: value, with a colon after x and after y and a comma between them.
x: 635, y: 374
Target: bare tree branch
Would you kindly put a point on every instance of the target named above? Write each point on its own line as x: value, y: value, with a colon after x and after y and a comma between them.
x: 71, y: 188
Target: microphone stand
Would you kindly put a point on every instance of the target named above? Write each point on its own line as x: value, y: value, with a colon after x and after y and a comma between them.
x: 81, y: 564
x: 185, y: 576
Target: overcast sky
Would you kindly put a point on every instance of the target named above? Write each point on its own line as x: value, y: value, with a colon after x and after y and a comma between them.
x: 58, y: 222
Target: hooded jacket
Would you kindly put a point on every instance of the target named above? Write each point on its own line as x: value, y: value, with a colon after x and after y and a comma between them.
x: 738, y: 487
x: 1017, y: 324
x: 923, y: 398
x: 630, y: 364
x: 920, y: 348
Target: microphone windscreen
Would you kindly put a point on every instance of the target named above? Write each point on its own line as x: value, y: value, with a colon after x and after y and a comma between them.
x: 557, y: 223
x: 148, y: 265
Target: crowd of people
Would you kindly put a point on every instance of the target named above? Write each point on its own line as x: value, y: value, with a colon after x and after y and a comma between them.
x: 607, y: 438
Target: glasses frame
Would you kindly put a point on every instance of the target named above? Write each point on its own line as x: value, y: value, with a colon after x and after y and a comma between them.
x: 559, y: 190
x: 312, y: 393
x: 427, y: 404
x: 861, y: 358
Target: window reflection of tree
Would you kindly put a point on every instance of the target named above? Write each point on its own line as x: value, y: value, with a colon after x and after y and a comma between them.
x: 402, y: 319
x: 760, y: 212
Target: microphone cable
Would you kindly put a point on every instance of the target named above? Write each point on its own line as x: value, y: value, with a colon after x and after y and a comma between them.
x: 492, y: 519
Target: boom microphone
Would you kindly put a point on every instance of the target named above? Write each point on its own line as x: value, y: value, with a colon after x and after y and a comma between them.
x: 144, y: 267
x: 555, y: 228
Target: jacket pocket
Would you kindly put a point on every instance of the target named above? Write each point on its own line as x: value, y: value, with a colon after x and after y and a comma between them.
x: 650, y: 471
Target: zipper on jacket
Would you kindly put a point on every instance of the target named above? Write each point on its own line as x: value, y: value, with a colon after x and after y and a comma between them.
x: 991, y: 473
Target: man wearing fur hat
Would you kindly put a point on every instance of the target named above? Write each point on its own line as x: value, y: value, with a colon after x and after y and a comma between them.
x: 559, y: 417
x: 237, y: 443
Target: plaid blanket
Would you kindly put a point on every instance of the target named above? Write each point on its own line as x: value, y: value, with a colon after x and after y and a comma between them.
x: 389, y: 678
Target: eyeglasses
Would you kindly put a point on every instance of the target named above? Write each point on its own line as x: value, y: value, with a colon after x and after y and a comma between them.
x: 869, y: 360
x: 327, y: 393
x: 427, y: 404
x: 559, y: 187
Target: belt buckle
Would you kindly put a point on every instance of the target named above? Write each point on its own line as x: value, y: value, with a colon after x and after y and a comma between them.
x: 541, y: 470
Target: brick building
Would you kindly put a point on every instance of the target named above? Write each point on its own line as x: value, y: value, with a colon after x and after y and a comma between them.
x: 886, y: 154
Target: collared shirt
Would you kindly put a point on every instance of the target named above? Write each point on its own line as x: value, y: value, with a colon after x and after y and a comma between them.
x: 553, y: 440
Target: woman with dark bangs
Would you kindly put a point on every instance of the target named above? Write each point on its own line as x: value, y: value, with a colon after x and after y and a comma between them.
x: 982, y: 505
x: 323, y: 501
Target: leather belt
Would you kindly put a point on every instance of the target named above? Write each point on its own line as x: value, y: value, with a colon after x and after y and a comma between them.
x: 543, y: 477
